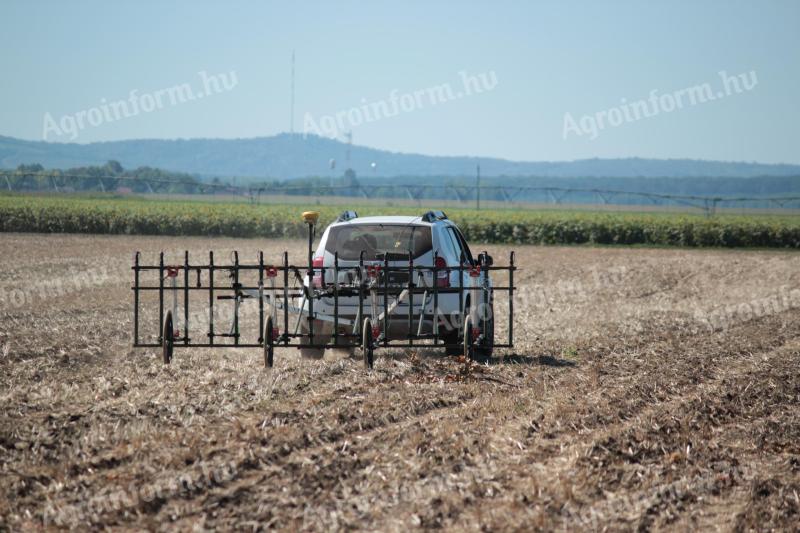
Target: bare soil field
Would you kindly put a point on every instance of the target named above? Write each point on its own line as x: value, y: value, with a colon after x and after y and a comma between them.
x: 648, y: 389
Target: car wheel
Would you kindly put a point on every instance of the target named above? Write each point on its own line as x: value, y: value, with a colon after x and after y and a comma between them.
x: 452, y: 343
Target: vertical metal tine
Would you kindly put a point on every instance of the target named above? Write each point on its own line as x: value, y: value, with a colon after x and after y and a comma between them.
x: 136, y: 298
x: 261, y: 297
x: 186, y: 297
x: 511, y: 298
x: 286, y: 297
x: 310, y: 284
x: 410, y: 298
x: 161, y: 297
x: 236, y: 297
x: 386, y: 299
x: 359, y: 333
x: 211, y: 298
x: 435, y: 298
x: 335, y: 297
x: 461, y: 290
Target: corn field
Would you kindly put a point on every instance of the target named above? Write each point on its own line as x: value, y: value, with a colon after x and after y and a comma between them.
x: 109, y: 215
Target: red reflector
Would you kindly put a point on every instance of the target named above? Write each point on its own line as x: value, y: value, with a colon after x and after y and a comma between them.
x: 317, y: 263
x: 376, y: 332
x: 442, y: 276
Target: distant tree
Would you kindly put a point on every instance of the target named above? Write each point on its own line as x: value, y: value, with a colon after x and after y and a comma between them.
x: 114, y: 168
x: 26, y: 169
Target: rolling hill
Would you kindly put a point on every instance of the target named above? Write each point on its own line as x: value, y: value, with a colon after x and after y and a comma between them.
x: 291, y: 156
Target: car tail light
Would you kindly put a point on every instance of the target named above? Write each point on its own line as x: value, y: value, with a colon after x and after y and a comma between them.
x: 317, y: 263
x: 442, y: 275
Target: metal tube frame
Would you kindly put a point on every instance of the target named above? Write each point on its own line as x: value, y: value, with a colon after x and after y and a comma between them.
x: 284, y: 296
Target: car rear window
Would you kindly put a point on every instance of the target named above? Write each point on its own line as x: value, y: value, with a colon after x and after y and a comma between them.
x: 377, y: 240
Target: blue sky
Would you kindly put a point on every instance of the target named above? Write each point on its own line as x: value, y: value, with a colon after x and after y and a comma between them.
x: 550, y: 59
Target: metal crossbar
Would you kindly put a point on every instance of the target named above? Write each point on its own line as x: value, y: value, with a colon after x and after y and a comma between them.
x: 371, y: 293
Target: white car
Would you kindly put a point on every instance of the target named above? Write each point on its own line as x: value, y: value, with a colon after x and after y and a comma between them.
x: 396, y: 239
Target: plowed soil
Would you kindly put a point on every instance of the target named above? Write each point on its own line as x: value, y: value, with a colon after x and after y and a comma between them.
x: 648, y: 389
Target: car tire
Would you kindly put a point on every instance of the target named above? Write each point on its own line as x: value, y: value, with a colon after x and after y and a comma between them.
x: 452, y: 343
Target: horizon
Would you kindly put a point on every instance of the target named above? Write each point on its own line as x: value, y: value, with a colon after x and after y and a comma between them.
x: 357, y: 145
x: 515, y: 81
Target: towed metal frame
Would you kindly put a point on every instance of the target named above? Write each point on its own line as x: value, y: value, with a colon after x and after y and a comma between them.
x: 371, y: 281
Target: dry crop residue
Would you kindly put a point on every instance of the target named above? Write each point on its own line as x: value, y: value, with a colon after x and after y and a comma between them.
x: 641, y: 394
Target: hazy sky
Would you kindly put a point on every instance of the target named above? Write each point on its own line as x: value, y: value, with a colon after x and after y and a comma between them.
x: 555, y: 64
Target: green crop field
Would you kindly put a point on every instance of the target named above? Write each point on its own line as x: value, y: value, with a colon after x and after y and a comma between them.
x: 136, y: 215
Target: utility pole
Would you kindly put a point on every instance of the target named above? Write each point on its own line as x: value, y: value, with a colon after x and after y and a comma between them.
x: 478, y: 190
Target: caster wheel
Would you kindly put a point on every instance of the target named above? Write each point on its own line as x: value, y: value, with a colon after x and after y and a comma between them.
x: 168, y: 340
x: 368, y: 344
x: 469, y: 343
x: 269, y: 343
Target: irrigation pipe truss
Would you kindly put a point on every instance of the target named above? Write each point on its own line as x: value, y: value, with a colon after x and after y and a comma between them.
x: 462, y: 193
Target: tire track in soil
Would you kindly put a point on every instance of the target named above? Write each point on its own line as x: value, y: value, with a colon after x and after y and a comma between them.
x: 549, y: 451
x: 448, y: 444
x: 610, y: 456
x: 328, y: 442
x: 455, y: 413
x: 242, y: 434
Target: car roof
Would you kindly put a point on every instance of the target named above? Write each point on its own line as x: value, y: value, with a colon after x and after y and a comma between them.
x: 388, y: 219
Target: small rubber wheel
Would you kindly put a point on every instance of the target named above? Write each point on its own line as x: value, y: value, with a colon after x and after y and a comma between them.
x: 168, y: 340
x: 269, y: 343
x: 484, y: 351
x: 367, y: 344
x: 469, y: 348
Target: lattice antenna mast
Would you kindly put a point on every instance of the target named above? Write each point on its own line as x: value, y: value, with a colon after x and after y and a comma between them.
x: 291, y: 106
x: 349, y: 137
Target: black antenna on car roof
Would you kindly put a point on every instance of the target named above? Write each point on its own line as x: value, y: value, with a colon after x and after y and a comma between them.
x: 432, y: 216
x: 347, y: 215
